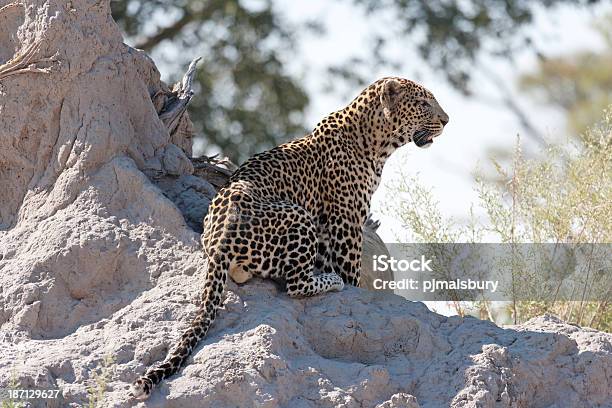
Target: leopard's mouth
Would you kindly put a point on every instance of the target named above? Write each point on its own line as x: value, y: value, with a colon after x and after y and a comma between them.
x: 423, y: 138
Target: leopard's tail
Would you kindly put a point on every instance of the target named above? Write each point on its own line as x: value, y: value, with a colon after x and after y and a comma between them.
x: 216, y: 279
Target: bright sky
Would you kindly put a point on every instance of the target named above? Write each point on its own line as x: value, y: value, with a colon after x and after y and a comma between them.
x: 448, y: 164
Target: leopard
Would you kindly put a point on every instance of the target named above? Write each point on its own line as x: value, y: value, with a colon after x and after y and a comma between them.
x: 296, y: 212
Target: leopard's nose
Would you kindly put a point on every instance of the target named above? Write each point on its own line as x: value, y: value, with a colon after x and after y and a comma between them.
x: 444, y: 119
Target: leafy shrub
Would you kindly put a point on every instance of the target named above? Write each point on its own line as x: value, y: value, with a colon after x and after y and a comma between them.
x: 563, y: 196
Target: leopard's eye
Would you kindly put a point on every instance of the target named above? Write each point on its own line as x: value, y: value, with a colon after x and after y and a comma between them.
x: 425, y: 103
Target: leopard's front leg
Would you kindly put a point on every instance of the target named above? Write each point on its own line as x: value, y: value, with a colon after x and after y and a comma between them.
x: 323, y: 261
x: 345, y: 250
x: 346, y: 253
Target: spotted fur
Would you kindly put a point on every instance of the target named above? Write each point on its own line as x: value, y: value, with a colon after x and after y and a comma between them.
x: 301, y: 206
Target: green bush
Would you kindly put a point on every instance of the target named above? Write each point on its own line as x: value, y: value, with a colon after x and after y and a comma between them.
x: 98, y: 383
x: 563, y: 196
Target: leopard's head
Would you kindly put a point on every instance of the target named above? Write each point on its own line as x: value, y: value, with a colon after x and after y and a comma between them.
x: 411, y: 113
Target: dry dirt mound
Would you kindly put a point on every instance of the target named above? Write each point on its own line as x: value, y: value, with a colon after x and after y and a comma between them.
x: 96, y: 262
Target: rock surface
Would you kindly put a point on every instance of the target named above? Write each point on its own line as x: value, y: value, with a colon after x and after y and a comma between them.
x: 98, y: 264
x: 351, y: 349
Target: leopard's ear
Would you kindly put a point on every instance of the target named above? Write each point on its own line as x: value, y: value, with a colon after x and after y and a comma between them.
x: 389, y: 96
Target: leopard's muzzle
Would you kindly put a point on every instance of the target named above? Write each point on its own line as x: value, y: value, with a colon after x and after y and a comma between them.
x: 424, y: 138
